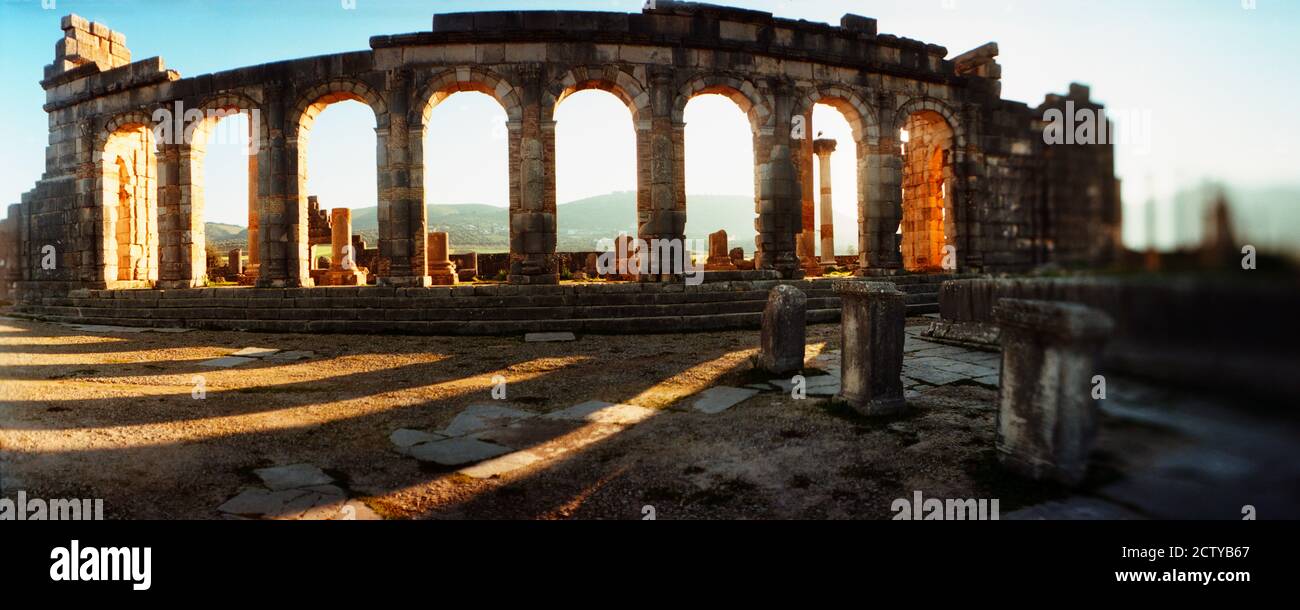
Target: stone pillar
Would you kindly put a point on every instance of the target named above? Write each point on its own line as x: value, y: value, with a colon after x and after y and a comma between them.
x: 235, y: 263
x: 343, y: 261
x: 824, y: 148
x: 661, y: 215
x: 719, y: 259
x: 253, y: 204
x: 441, y: 269
x: 872, y: 320
x: 402, y: 220
x: 779, y: 193
x: 532, y: 197
x: 806, y: 245
x: 1047, y: 419
x: 783, y: 336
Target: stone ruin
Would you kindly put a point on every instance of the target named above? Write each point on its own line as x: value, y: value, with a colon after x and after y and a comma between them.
x: 123, y: 210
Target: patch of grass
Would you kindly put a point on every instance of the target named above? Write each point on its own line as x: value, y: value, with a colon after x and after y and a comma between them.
x: 800, y: 481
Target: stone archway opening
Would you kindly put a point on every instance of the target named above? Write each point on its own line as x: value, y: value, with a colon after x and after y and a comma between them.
x: 129, y: 196
x: 468, y: 177
x: 928, y: 228
x: 596, y: 169
x: 721, y: 177
x: 223, y: 173
x: 338, y: 169
x: 835, y: 182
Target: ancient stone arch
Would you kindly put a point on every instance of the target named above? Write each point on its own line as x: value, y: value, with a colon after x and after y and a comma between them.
x: 615, y: 79
x: 126, y: 196
x: 444, y: 83
x: 739, y: 90
x: 862, y: 118
x: 921, y: 104
x: 655, y: 61
x: 318, y: 97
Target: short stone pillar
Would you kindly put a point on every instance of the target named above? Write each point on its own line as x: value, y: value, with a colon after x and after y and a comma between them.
x: 235, y: 263
x: 592, y: 267
x: 807, y: 242
x: 1047, y: 418
x: 441, y: 269
x: 719, y: 259
x: 824, y: 147
x: 343, y: 261
x: 782, y: 339
x: 871, y: 369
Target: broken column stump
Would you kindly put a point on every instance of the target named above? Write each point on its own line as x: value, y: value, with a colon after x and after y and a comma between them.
x: 441, y: 268
x: 783, y: 337
x: 343, y: 261
x: 719, y: 259
x: 1047, y: 418
x: 872, y: 320
x: 235, y: 263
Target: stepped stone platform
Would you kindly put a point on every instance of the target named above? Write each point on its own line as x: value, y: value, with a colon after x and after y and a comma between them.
x: 480, y: 309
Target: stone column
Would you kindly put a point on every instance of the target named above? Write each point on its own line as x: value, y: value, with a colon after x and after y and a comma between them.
x: 532, y: 198
x: 872, y: 320
x: 1047, y: 419
x: 824, y: 148
x: 719, y: 259
x: 783, y: 338
x: 253, y: 205
x: 235, y: 263
x: 402, y: 219
x: 664, y: 215
x: 779, y: 193
x: 441, y: 269
x: 343, y: 261
x: 806, y: 245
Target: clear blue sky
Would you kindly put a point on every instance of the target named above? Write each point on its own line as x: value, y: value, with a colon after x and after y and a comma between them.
x: 1218, y: 80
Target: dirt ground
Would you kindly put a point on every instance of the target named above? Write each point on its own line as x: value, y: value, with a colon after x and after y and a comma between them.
x: 114, y: 416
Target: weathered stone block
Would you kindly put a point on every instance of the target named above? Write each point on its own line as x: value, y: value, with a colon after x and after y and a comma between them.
x: 1047, y: 418
x: 872, y: 322
x: 782, y: 339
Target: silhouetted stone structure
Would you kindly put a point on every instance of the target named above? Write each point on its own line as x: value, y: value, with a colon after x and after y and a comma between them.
x: 126, y: 211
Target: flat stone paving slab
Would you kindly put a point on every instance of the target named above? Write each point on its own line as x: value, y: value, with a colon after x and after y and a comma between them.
x: 226, y: 362
x: 476, y: 418
x: 603, y: 413
x: 292, y: 476
x: 256, y: 352
x: 256, y: 502
x: 527, y: 432
x: 456, y: 451
x: 931, y: 375
x: 720, y: 398
x: 810, y: 383
x: 406, y: 438
x: 501, y: 465
x: 548, y: 337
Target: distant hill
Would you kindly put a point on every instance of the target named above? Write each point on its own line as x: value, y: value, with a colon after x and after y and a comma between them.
x: 484, y: 228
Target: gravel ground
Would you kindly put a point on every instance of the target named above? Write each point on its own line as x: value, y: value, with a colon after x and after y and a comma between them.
x: 114, y: 416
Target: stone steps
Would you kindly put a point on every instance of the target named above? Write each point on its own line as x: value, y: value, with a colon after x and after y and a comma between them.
x: 460, y: 310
